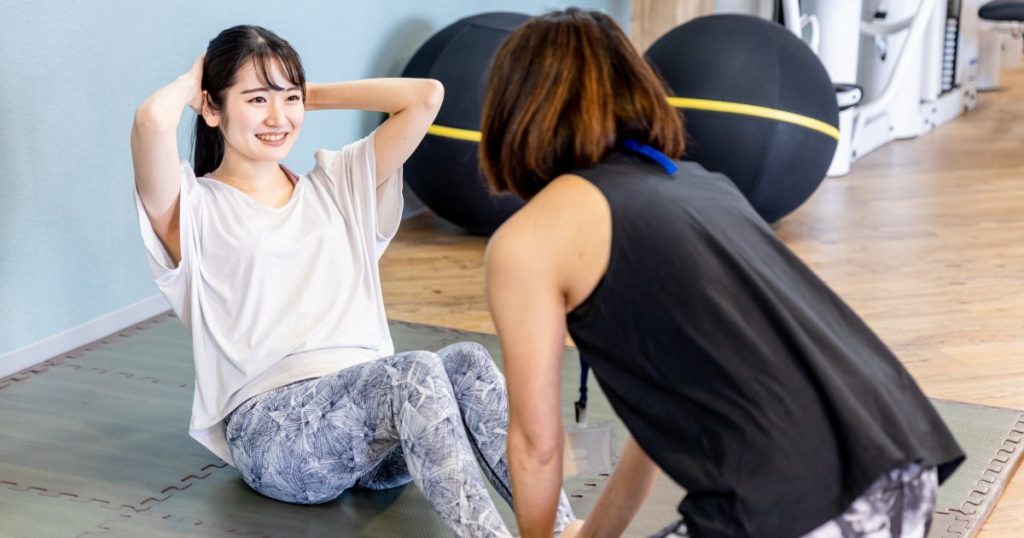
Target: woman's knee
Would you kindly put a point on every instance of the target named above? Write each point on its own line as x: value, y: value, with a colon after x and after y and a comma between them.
x: 470, y: 350
x: 421, y: 388
x: 418, y: 360
x: 465, y: 357
x: 418, y: 366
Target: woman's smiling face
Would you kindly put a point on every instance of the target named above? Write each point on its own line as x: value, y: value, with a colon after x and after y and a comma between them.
x: 260, y: 119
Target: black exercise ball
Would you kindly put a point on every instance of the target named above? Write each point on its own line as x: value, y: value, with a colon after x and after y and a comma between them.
x: 735, y: 60
x: 444, y: 171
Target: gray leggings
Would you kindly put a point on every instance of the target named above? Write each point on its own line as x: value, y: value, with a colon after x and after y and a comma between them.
x: 382, y: 424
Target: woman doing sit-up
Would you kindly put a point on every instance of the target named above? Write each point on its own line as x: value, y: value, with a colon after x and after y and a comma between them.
x: 275, y: 274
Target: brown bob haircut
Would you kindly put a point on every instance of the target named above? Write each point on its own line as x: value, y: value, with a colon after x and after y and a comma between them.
x: 564, y: 89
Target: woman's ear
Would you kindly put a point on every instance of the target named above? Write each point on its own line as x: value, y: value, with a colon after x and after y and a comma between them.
x: 210, y: 115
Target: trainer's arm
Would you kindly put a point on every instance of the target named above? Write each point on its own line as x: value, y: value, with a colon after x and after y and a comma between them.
x: 529, y: 313
x: 412, y: 102
x: 627, y: 489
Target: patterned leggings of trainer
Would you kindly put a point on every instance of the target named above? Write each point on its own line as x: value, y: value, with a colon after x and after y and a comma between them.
x: 898, y: 505
x: 380, y: 424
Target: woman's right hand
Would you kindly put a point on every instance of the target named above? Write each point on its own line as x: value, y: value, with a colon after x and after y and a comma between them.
x: 195, y: 76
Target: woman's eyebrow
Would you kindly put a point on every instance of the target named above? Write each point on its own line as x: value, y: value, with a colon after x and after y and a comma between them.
x: 266, y: 89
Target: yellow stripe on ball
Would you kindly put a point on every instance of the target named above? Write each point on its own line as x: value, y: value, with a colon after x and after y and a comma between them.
x: 691, y: 104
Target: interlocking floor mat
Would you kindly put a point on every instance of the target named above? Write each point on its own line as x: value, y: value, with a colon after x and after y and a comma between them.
x: 95, y: 443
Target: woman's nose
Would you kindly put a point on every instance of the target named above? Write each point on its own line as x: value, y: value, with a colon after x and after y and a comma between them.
x: 275, y: 115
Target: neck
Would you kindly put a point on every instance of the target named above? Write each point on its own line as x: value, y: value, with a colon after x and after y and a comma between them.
x: 250, y: 176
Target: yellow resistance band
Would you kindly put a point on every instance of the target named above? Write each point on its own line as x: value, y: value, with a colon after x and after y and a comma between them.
x: 693, y: 104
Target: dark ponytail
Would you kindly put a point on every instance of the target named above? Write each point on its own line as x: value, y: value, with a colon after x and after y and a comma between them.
x: 225, y: 56
x: 207, y: 148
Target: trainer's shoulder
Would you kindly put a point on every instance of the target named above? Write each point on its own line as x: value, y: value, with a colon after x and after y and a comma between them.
x: 567, y: 198
x: 567, y: 207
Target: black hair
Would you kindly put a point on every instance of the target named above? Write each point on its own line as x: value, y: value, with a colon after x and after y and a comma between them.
x: 225, y: 56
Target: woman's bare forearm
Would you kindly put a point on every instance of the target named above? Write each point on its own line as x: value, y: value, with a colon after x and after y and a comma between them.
x: 391, y: 95
x: 412, y: 102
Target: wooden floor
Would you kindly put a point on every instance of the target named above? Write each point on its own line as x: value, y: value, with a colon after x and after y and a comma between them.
x: 925, y: 239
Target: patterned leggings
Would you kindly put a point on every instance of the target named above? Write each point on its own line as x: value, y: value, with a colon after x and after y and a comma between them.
x: 897, y: 505
x: 380, y: 424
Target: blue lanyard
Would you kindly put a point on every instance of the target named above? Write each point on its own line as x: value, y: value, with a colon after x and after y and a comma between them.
x: 658, y: 157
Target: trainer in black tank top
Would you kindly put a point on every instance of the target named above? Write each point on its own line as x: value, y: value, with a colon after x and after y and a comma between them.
x: 739, y: 372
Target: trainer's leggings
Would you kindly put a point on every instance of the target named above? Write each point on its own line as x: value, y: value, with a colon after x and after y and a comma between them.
x: 381, y: 424
x: 898, y: 505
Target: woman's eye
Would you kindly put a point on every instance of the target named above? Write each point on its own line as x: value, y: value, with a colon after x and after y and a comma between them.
x: 258, y: 99
x: 294, y: 98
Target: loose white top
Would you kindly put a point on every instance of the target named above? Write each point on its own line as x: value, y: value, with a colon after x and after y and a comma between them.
x: 276, y: 295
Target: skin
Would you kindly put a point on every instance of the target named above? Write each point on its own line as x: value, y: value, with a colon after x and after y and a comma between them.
x: 251, y: 110
x: 540, y: 265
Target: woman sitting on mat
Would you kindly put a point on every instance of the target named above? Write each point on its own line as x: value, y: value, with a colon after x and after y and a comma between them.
x: 275, y: 274
x: 736, y: 371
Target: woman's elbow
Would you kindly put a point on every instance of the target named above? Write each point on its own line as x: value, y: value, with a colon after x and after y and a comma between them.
x: 432, y: 93
x: 149, y: 120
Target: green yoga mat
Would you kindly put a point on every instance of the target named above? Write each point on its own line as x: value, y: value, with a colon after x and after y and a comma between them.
x: 95, y: 444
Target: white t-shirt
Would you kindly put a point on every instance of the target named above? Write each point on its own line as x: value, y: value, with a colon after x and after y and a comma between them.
x: 276, y: 295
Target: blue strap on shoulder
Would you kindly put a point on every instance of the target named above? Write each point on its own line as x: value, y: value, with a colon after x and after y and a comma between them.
x: 658, y: 157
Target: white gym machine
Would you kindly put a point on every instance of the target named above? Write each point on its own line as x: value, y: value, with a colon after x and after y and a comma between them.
x: 916, y: 61
x: 901, y: 67
x: 1000, y: 38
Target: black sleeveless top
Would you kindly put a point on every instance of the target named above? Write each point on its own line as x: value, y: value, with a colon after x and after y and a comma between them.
x: 739, y: 372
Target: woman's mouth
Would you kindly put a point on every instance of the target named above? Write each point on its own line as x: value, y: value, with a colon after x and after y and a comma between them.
x: 272, y: 139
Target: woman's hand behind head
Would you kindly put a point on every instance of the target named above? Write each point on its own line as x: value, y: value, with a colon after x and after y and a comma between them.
x: 195, y: 75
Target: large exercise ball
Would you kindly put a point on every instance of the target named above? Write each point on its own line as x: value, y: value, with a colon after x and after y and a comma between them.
x: 444, y: 170
x: 758, y: 106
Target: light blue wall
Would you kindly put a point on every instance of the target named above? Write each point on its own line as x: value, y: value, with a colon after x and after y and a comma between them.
x: 71, y: 75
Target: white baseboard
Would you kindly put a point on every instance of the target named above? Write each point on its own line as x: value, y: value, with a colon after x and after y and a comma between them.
x: 76, y: 337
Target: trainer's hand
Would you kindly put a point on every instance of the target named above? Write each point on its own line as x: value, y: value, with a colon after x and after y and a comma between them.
x: 572, y: 529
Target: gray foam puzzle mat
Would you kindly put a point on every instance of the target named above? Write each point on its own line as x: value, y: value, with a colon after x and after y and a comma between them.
x: 994, y: 441
x: 31, y: 513
x: 992, y: 437
x: 95, y: 444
